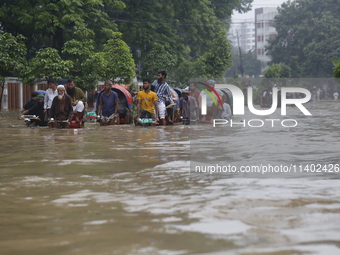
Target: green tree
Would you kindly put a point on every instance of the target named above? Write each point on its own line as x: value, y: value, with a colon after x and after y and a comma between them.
x: 273, y: 71
x: 157, y: 59
x: 251, y: 65
x: 286, y: 71
x: 336, y: 72
x: 80, y: 50
x: 12, y: 57
x: 119, y: 64
x: 308, y: 30
x: 296, y: 69
x: 185, y: 28
x: 214, y: 62
x: 192, y: 32
x: 277, y: 71
x: 114, y: 62
x: 49, y: 23
x: 47, y: 64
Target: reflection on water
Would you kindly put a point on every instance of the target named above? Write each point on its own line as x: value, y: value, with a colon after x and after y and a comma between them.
x: 128, y: 190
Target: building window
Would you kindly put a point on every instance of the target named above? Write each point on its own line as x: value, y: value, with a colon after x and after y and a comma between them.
x: 259, y: 51
x: 260, y: 38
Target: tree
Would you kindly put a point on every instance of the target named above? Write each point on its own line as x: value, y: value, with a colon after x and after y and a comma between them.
x: 273, y: 71
x: 162, y: 59
x: 188, y: 30
x: 296, y: 69
x: 192, y: 32
x: 85, y: 61
x: 336, y: 72
x: 251, y: 65
x: 49, y: 23
x: 277, y: 71
x: 307, y: 30
x: 119, y: 64
x: 215, y: 61
x: 12, y: 57
x: 114, y: 62
x: 285, y: 71
x: 47, y: 64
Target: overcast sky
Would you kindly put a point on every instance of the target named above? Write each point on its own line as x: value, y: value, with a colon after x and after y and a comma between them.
x: 256, y: 4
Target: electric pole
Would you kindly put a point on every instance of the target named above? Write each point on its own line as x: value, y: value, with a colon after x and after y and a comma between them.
x: 240, y: 53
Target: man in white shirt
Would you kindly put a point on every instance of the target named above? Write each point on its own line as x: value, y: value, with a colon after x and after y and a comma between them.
x: 50, y: 93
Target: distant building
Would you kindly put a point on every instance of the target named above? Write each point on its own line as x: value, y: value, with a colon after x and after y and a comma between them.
x: 264, y: 19
x: 245, y: 32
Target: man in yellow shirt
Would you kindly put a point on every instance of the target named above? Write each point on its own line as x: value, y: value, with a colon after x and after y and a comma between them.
x: 147, y: 102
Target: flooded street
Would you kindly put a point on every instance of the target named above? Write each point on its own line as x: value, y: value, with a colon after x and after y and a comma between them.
x: 132, y: 190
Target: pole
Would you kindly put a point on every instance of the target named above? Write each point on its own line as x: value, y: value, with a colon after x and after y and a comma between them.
x: 240, y: 53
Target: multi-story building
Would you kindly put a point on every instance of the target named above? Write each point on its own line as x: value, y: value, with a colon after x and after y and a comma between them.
x: 242, y: 34
x: 264, y: 19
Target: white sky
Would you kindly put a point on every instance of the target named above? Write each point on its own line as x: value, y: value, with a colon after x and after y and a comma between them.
x: 256, y: 4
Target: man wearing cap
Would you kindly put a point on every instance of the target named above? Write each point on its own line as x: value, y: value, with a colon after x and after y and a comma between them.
x: 38, y: 110
x: 78, y: 98
x: 50, y: 93
x: 188, y: 107
x: 61, y: 108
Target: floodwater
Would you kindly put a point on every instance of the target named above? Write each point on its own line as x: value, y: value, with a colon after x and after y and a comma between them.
x: 131, y: 190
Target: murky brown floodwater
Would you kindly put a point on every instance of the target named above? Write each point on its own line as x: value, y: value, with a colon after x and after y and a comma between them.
x: 129, y: 190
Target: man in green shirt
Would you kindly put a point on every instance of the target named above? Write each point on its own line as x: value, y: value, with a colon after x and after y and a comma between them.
x: 78, y: 98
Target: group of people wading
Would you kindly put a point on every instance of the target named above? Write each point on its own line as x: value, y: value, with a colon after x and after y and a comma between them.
x: 61, y: 104
x: 65, y: 104
x: 156, y: 101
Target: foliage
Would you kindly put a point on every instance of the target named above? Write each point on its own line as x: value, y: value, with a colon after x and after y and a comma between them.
x: 277, y: 71
x: 49, y: 23
x: 12, y: 54
x: 158, y: 59
x: 308, y: 30
x: 251, y: 65
x: 12, y: 61
x: 119, y: 64
x: 115, y: 62
x: 336, y: 72
x: 285, y: 71
x: 214, y: 62
x: 296, y: 69
x: 47, y: 64
x: 91, y: 34
x: 273, y: 71
x: 188, y: 31
x: 80, y: 50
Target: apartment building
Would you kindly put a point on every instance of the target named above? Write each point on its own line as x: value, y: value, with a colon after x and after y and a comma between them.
x: 264, y: 19
x: 242, y: 34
